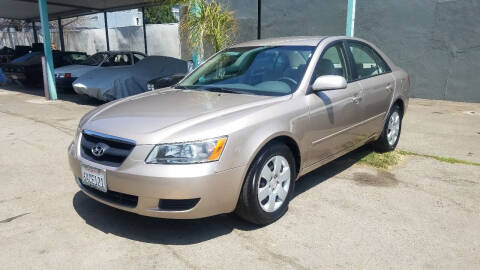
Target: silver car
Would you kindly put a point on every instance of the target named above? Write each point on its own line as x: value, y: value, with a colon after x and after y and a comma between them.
x: 236, y: 133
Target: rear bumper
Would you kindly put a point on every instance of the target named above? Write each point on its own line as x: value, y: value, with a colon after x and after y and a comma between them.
x: 217, y: 192
x: 64, y: 82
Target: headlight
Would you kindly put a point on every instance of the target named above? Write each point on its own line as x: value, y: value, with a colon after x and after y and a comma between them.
x: 187, y: 153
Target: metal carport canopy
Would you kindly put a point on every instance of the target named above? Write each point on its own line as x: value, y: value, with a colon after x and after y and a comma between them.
x: 57, y: 9
x: 28, y: 9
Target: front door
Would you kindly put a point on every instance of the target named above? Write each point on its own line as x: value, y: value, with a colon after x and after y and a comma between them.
x: 334, y: 114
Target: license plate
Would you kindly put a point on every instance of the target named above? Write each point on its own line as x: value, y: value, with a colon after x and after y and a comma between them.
x: 14, y: 77
x: 93, y: 177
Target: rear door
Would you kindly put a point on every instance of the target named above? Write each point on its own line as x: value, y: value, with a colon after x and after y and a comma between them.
x: 334, y: 114
x: 371, y: 71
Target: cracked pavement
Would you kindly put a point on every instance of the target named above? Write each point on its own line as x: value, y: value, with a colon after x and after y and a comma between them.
x: 420, y: 214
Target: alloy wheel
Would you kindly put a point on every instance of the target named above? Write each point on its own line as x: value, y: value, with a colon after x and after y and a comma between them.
x: 393, y: 128
x: 273, y: 184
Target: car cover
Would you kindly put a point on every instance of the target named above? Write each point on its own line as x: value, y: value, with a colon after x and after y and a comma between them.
x: 117, y: 82
x: 21, y: 59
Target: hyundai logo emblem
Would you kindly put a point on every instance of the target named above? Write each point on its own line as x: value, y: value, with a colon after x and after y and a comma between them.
x: 99, y: 149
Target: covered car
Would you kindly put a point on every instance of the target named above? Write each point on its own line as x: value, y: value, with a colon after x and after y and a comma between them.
x: 3, y: 78
x: 66, y: 75
x: 112, y: 83
x: 29, y: 69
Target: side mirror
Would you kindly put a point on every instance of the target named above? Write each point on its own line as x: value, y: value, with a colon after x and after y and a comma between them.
x: 329, y: 82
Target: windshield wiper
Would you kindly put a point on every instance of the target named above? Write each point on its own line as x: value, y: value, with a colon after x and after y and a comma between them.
x: 222, y: 90
x: 211, y: 89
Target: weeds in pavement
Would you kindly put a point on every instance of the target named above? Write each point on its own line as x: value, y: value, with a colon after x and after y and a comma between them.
x: 441, y: 159
x: 390, y: 159
x: 384, y: 160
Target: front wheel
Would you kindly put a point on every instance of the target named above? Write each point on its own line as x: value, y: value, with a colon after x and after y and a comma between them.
x: 268, y: 186
x: 391, y: 132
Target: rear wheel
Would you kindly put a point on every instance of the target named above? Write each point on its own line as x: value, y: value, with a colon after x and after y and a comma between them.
x: 391, y: 132
x: 268, y: 186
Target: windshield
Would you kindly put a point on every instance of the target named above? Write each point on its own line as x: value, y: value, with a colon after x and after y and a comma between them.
x: 95, y: 59
x: 273, y: 71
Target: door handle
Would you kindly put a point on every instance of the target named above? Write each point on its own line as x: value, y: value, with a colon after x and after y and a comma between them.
x: 357, y: 99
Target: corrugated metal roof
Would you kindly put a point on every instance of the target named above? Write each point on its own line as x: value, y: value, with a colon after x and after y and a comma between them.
x: 28, y: 9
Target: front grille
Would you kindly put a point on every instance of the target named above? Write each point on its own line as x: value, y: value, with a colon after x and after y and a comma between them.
x: 177, y: 205
x: 116, y: 151
x: 112, y: 196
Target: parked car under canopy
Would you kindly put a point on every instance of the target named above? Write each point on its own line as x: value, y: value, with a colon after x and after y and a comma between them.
x: 111, y: 83
x: 66, y: 75
x: 29, y: 70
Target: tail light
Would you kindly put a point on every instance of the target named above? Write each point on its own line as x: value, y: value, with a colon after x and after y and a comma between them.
x: 409, y: 83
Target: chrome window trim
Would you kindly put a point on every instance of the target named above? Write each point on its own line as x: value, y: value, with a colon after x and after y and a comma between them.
x: 110, y: 137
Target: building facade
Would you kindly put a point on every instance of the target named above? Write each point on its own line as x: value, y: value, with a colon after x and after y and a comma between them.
x: 436, y: 41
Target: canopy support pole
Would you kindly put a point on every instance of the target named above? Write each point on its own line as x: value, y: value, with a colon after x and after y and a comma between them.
x: 106, y: 30
x: 47, y: 48
x: 60, y: 32
x: 144, y: 30
x: 351, y: 18
x: 259, y: 19
x: 35, y: 36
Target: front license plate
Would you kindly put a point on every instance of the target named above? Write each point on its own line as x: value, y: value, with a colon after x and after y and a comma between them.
x: 95, y: 178
x: 14, y: 77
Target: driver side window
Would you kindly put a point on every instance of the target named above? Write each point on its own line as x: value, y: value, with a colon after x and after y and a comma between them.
x: 332, y: 62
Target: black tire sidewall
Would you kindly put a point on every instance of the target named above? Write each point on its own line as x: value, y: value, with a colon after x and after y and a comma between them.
x: 256, y: 212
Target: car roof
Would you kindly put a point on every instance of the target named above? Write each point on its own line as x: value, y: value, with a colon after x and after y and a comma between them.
x: 115, y: 52
x: 292, y: 41
x: 284, y: 41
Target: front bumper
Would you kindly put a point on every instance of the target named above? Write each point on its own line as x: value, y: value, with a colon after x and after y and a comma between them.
x: 217, y: 191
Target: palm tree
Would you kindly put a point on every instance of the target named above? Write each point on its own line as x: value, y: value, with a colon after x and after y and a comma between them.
x: 207, y: 21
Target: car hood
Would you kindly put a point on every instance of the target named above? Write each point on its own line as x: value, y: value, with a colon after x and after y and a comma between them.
x: 75, y: 70
x: 153, y: 116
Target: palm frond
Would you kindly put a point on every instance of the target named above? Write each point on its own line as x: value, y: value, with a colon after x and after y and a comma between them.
x: 207, y: 22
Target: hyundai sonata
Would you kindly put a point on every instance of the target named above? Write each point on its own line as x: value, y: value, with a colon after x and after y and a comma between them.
x: 236, y: 133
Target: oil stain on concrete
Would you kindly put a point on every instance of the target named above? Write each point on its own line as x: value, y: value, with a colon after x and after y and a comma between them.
x: 378, y: 179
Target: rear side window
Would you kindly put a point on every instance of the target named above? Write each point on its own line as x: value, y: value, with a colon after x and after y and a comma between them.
x: 137, y: 57
x: 366, y: 62
x: 77, y: 57
x: 382, y: 65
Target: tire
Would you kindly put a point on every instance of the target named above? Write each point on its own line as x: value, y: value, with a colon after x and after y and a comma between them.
x: 391, y: 131
x: 250, y: 207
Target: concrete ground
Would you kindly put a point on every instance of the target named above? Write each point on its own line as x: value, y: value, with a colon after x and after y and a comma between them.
x: 421, y: 214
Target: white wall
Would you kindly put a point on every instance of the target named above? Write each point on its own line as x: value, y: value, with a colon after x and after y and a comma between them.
x: 162, y: 39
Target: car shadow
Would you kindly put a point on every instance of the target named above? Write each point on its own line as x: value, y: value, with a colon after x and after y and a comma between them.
x: 65, y: 94
x: 187, y: 232
x: 331, y: 169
